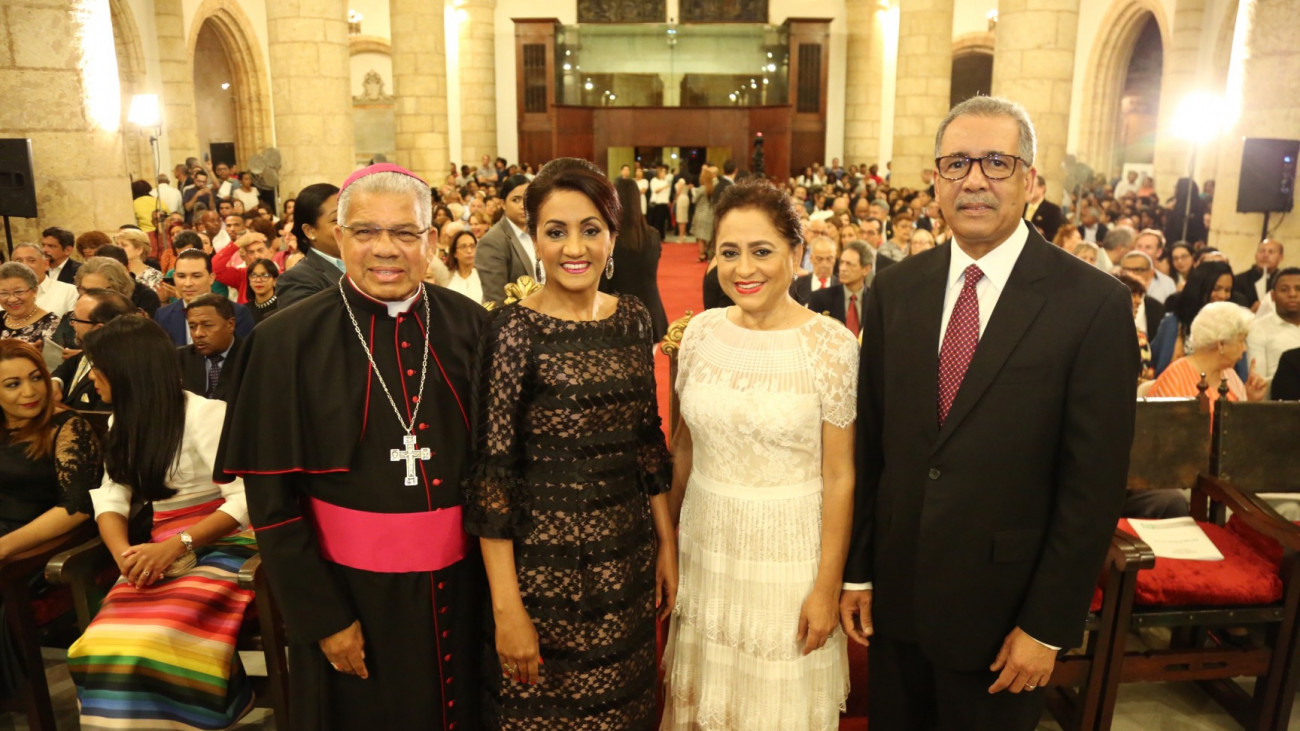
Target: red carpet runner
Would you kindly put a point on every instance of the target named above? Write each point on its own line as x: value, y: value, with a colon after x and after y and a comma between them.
x: 681, y: 288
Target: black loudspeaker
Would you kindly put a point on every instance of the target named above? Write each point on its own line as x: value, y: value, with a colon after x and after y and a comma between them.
x: 17, y: 185
x: 1267, y: 176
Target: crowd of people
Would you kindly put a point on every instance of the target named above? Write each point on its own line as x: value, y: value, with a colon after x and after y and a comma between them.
x: 505, y: 568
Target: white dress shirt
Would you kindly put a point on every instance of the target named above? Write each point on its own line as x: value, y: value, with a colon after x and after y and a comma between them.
x: 191, y: 476
x: 1161, y: 287
x: 534, y: 271
x: 1270, y: 337
x: 171, y: 198
x: 55, y: 296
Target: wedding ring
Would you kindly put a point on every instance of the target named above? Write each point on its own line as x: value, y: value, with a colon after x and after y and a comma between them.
x: 510, y: 668
x: 1030, y: 687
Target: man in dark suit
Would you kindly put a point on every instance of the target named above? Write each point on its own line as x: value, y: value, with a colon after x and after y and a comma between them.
x: 320, y: 269
x: 845, y: 301
x: 822, y: 276
x: 1286, y: 379
x: 57, y: 244
x: 211, y: 321
x: 1246, y: 286
x: 1090, y: 226
x: 995, y: 418
x: 723, y: 182
x: 506, y: 252
x: 1043, y: 213
x: 93, y: 309
x: 193, y: 276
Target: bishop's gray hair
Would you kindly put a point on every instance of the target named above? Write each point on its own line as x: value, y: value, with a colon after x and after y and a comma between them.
x: 393, y: 183
x: 993, y: 106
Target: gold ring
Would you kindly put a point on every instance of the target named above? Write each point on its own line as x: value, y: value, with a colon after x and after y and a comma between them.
x: 1031, y: 687
x: 510, y: 668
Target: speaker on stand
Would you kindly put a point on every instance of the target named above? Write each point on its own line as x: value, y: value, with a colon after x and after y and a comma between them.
x: 1268, y: 168
x: 17, y: 184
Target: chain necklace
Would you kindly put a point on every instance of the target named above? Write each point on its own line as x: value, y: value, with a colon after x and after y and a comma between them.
x: 409, y: 453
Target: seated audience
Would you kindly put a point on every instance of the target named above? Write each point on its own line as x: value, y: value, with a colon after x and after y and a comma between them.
x: 1218, y: 342
x: 1087, y: 251
x: 1138, y: 293
x: 161, y: 449
x: 1274, y: 333
x: 1210, y: 281
x: 136, y: 245
x: 1286, y: 379
x: 57, y: 244
x: 49, y: 462
x: 23, y: 319
x: 194, y: 278
x: 94, y: 308
x: 143, y: 297
x: 51, y: 294
x: 922, y: 240
x: 89, y: 242
x: 1181, y: 261
x: 230, y: 265
x: 1150, y: 311
x: 204, y: 361
x: 262, y: 300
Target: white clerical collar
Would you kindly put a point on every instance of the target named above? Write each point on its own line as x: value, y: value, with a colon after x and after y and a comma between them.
x: 996, y: 265
x: 394, y: 308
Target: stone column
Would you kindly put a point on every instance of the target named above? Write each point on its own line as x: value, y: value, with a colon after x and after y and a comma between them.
x: 1262, y: 78
x: 1178, y: 79
x: 310, y: 89
x: 1033, y: 64
x: 420, y: 87
x: 865, y: 76
x: 61, y: 91
x: 478, y: 81
x: 177, y: 99
x: 923, y: 88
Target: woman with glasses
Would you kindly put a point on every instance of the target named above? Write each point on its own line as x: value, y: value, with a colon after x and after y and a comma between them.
x: 460, y: 262
x: 23, y: 320
x: 262, y: 302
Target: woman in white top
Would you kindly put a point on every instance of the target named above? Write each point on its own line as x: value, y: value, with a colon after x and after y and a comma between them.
x: 246, y: 193
x: 763, y: 482
x: 682, y: 207
x: 642, y: 185
x: 174, y: 615
x: 460, y: 260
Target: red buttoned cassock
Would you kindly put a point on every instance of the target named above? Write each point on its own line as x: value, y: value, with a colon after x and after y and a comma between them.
x: 342, y: 537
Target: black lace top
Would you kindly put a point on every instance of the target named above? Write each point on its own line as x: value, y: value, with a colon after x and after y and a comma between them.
x: 35, y: 332
x: 65, y: 478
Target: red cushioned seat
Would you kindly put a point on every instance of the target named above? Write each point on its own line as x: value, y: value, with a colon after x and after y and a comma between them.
x: 1096, y: 600
x: 1244, y: 576
x: 1263, y: 545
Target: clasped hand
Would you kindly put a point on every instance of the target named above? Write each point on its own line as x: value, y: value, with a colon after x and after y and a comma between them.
x: 143, y: 565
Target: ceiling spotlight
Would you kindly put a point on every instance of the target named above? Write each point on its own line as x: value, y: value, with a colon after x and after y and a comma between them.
x: 225, y: 86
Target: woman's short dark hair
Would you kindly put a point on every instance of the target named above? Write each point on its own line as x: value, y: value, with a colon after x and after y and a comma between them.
x: 306, y: 209
x: 760, y: 195
x: 1196, y: 293
x: 139, y: 361
x: 579, y: 176
x: 140, y: 188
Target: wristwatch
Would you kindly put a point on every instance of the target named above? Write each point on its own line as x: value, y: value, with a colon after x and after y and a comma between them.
x: 188, y: 541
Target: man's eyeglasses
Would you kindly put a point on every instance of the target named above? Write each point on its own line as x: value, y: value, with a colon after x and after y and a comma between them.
x: 994, y: 166
x: 15, y: 294
x: 366, y: 234
x: 79, y: 321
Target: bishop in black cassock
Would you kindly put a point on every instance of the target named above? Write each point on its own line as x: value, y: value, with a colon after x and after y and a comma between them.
x: 351, y: 527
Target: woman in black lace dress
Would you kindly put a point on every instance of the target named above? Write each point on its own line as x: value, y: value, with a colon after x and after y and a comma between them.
x: 568, y: 491
x: 49, y: 462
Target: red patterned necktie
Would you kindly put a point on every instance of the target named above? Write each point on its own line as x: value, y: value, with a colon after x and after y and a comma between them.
x: 851, y: 318
x: 959, y: 341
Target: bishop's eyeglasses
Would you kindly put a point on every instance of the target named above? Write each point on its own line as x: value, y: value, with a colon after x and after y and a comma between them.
x: 366, y: 234
x: 994, y: 166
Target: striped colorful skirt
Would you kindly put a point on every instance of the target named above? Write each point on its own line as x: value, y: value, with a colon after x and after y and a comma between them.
x: 163, y: 657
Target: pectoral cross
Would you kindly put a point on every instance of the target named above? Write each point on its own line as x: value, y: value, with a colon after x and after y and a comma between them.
x: 409, y: 454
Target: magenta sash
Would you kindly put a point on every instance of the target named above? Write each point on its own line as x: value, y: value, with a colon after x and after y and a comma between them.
x: 389, y: 543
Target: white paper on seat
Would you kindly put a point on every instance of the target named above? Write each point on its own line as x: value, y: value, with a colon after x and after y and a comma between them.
x: 1178, y: 538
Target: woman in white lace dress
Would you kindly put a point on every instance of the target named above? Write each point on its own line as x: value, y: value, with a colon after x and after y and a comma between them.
x: 763, y: 475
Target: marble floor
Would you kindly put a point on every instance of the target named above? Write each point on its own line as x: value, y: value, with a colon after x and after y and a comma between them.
x: 1141, y: 707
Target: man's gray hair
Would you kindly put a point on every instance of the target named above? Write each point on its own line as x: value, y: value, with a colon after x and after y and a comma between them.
x: 1219, y: 322
x: 18, y: 270
x: 822, y: 240
x: 391, y: 183
x: 1119, y: 238
x: 119, y: 280
x: 865, y: 255
x: 992, y: 106
x: 28, y: 245
x: 1142, y: 254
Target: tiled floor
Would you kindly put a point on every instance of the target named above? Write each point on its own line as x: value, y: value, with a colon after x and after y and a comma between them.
x: 1142, y: 706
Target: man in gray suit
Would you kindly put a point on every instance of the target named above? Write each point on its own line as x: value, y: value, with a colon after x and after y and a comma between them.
x: 506, y: 252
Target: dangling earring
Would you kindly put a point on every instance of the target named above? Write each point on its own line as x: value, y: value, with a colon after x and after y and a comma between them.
x: 609, y: 267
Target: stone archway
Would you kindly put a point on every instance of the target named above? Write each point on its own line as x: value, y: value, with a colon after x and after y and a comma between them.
x: 249, y: 83
x: 972, y: 66
x: 131, y: 77
x: 1108, y: 66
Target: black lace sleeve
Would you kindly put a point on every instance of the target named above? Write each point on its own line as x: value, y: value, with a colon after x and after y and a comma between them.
x: 77, y: 464
x: 655, y: 464
x: 496, y: 502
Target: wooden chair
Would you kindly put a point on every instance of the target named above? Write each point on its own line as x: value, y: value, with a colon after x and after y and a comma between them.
x: 1191, y: 611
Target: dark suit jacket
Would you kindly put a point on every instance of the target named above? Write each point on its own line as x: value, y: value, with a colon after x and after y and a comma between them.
x: 831, y: 301
x: 500, y: 260
x: 803, y: 290
x: 1286, y: 380
x: 311, y: 275
x: 1000, y: 518
x: 924, y: 222
x: 194, y: 372
x: 1155, y: 312
x: 81, y: 396
x: 172, y: 319
x: 1048, y: 218
x: 68, y: 274
x: 1101, y: 232
x: 1243, y: 286
x: 719, y: 187
x: 637, y: 273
